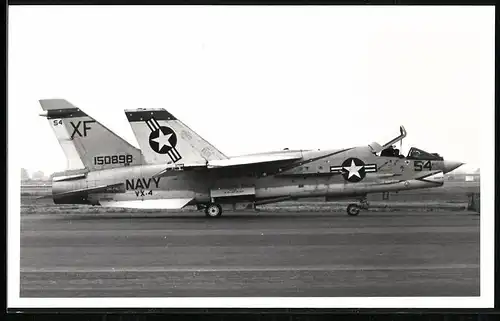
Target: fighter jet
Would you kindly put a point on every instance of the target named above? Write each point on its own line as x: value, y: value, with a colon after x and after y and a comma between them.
x: 175, y: 167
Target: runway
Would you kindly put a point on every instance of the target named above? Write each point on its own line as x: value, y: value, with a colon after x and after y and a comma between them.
x: 250, y: 254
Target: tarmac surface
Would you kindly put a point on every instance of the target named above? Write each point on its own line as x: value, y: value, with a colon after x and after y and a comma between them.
x: 406, y: 253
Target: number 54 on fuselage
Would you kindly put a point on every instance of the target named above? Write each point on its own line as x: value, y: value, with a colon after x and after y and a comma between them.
x: 175, y: 167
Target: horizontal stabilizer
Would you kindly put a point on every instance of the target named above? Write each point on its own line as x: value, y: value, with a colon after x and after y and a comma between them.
x: 69, y: 177
x: 48, y: 196
x: 114, y: 188
x: 173, y: 203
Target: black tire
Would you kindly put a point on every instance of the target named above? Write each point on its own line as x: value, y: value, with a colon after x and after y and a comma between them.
x: 353, y: 210
x: 213, y: 210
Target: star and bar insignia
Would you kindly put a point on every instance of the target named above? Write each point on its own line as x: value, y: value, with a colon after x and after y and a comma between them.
x: 163, y: 140
x: 353, y: 169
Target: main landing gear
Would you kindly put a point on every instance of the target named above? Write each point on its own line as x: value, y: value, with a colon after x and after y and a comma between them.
x: 354, y: 209
x: 213, y: 210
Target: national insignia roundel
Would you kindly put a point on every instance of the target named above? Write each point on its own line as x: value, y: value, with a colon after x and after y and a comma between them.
x: 354, y: 169
x: 163, y: 140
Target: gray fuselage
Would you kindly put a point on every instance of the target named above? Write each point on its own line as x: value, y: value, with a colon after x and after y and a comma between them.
x: 318, y: 173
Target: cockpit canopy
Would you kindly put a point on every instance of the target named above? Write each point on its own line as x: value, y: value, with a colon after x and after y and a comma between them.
x: 390, y: 150
x: 416, y: 153
x: 387, y: 149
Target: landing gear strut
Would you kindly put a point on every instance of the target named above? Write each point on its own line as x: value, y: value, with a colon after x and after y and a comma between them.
x: 354, y: 209
x: 213, y: 210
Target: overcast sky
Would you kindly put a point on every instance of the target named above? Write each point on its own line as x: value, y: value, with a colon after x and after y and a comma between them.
x: 255, y: 79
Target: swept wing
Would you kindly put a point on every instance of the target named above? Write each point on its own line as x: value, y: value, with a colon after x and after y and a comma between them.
x: 261, y: 160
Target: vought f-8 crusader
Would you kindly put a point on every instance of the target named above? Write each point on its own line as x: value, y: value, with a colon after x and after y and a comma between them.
x: 175, y: 167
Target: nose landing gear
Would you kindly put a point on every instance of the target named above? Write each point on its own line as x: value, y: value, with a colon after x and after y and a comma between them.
x: 354, y: 209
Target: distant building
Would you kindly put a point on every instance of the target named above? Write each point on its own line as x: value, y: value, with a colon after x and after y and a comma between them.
x: 463, y: 177
x: 38, y: 176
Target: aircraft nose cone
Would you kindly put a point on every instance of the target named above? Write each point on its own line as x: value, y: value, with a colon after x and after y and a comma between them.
x: 451, y: 165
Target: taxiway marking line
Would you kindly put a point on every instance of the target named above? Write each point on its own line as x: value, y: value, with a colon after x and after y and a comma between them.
x: 325, y: 268
x: 305, y: 231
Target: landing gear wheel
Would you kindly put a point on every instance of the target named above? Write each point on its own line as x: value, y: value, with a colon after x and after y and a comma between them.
x: 353, y: 210
x: 213, y: 210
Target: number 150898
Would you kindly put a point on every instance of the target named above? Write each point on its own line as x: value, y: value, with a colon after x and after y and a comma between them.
x: 113, y: 159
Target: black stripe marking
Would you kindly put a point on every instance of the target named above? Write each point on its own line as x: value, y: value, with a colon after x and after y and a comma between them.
x: 150, y: 126
x: 142, y: 115
x: 169, y: 153
x: 65, y: 113
x: 155, y: 122
x: 178, y: 155
x: 174, y: 155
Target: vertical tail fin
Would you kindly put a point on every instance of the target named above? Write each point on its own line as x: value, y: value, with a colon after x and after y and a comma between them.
x: 86, y: 142
x: 164, y: 139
